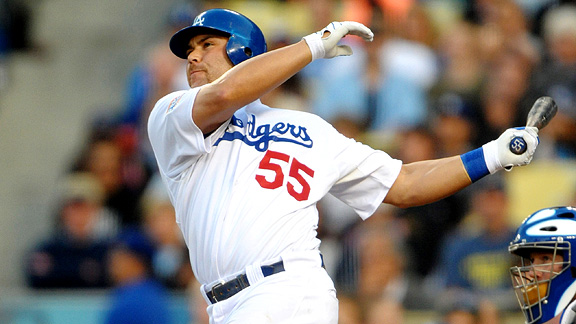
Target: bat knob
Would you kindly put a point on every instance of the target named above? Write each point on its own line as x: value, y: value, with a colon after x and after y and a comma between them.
x: 518, y: 145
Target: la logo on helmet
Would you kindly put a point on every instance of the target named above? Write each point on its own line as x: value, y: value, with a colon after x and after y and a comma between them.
x: 199, y: 21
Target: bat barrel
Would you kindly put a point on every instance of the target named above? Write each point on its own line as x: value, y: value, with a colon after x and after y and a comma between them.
x: 543, y: 110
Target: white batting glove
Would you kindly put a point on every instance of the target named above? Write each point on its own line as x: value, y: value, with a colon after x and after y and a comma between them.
x: 327, y: 47
x: 497, y: 153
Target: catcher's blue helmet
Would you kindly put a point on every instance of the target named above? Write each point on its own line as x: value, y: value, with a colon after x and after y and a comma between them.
x: 246, y: 39
x: 551, y: 230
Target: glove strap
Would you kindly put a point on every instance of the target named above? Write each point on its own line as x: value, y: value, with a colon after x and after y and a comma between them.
x: 475, y: 164
x: 314, y: 42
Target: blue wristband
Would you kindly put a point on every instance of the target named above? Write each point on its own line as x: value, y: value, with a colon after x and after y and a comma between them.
x: 475, y: 164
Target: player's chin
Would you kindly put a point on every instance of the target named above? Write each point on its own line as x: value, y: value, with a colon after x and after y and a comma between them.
x: 196, y: 80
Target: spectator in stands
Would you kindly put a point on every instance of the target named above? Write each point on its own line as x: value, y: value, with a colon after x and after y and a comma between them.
x: 75, y: 255
x: 385, y: 311
x: 379, y: 311
x: 454, y: 125
x: 505, y: 27
x: 502, y: 55
x: 137, y: 297
x: 427, y: 225
x: 389, y: 93
x: 503, y: 95
x: 197, y: 304
x: 408, y: 68
x: 108, y: 155
x: 556, y: 77
x: 457, y: 92
x: 170, y: 263
x: 290, y: 94
x: 324, y: 79
x: 159, y: 73
x: 486, y: 314
x: 349, y: 310
x: 473, y: 270
x: 372, y: 267
x: 366, y: 11
x: 461, y: 69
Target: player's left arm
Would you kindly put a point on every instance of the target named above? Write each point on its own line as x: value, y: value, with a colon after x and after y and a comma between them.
x: 424, y: 182
x: 216, y: 102
x: 251, y: 79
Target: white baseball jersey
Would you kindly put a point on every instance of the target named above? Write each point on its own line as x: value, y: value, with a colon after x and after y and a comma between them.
x: 248, y: 191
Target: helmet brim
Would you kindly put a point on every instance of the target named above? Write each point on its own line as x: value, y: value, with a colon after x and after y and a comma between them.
x: 179, y: 43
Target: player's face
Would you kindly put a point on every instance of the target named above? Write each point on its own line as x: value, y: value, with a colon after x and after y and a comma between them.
x: 532, y: 280
x: 546, y: 264
x: 207, y: 59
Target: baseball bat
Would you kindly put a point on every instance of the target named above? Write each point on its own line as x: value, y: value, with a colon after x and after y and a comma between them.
x: 543, y: 110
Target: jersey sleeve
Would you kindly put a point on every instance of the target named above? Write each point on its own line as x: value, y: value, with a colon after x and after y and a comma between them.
x: 177, y: 142
x: 366, y: 186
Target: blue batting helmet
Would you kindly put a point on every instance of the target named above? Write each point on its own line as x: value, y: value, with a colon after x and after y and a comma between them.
x: 245, y: 38
x: 551, y: 230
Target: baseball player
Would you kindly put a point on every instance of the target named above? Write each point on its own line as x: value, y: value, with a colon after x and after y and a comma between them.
x: 245, y: 178
x: 545, y: 279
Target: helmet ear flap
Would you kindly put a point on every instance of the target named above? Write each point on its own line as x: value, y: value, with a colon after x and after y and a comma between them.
x: 238, y: 49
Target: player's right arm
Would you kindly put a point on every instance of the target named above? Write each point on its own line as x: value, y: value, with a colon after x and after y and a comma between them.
x: 242, y: 84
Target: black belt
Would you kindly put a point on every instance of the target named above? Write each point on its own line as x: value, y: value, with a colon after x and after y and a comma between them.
x: 223, y: 291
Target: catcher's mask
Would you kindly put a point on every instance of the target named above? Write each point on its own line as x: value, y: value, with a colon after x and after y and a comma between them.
x: 546, y: 286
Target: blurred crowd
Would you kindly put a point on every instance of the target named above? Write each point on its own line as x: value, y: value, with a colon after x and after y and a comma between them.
x: 440, y: 78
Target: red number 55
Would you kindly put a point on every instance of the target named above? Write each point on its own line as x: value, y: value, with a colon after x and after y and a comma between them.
x: 296, y: 172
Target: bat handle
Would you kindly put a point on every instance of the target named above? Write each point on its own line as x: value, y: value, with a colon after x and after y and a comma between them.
x: 518, y: 145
